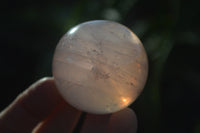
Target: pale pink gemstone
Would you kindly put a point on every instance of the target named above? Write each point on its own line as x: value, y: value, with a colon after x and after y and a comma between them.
x: 100, y: 67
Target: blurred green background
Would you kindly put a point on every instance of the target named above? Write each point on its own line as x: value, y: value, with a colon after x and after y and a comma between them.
x: 169, y: 30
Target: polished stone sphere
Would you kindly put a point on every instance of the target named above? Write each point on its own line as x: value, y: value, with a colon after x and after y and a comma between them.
x: 100, y: 67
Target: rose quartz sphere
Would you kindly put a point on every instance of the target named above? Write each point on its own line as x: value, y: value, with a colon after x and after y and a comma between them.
x: 100, y: 67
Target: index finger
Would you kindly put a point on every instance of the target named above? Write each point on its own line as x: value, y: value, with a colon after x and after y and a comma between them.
x: 31, y: 107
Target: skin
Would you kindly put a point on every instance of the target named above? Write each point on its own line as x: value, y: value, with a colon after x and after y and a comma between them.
x: 41, y: 109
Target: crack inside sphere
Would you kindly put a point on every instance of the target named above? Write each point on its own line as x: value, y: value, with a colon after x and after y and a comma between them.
x: 100, y: 67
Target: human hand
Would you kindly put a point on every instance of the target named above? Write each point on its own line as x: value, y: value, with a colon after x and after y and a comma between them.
x: 41, y: 109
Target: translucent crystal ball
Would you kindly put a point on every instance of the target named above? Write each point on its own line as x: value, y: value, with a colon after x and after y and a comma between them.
x: 100, y: 67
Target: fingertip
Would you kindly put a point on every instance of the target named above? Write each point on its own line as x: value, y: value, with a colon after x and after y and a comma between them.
x: 31, y: 106
x: 95, y: 123
x: 45, y: 79
x: 128, y: 112
x: 43, y: 82
x: 41, y: 97
x: 124, y: 121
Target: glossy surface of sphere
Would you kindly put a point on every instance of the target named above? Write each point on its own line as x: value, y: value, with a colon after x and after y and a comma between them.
x: 100, y: 67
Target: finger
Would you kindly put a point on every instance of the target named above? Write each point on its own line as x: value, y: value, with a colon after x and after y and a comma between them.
x: 124, y: 121
x: 30, y: 107
x: 95, y: 123
x: 120, y: 122
x: 63, y: 120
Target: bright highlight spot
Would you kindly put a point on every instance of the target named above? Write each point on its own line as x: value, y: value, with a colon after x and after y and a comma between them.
x: 124, y: 100
x: 73, y: 30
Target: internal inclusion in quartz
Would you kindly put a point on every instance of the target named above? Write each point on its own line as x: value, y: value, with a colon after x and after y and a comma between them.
x: 100, y: 67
